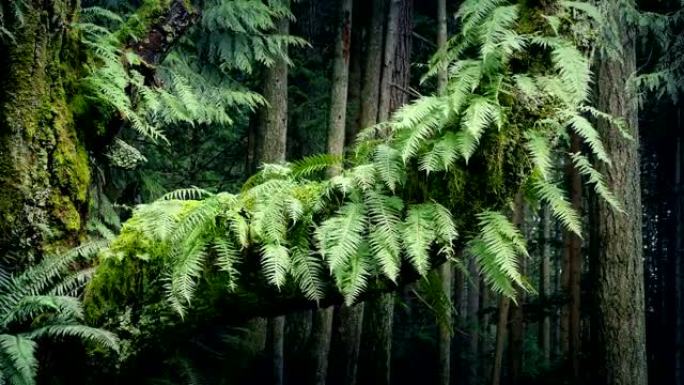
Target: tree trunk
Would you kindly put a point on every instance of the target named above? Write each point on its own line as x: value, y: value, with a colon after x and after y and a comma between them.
x: 679, y: 264
x: 372, y: 66
x: 573, y: 246
x: 504, y: 306
x: 390, y: 49
x: 277, y: 334
x: 346, y: 345
x: 321, y: 331
x: 297, y: 336
x: 472, y: 356
x: 517, y: 315
x: 376, y: 341
x: 340, y: 81
x: 619, y: 288
x: 446, y: 271
x: 44, y: 166
x: 544, y: 336
x: 273, y: 128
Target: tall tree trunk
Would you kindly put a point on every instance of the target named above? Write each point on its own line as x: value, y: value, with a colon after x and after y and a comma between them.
x: 504, y: 306
x: 374, y: 366
x: 44, y: 166
x: 346, y: 345
x: 389, y: 56
x: 679, y: 264
x: 472, y: 356
x: 372, y: 66
x: 340, y: 81
x: 544, y: 336
x: 321, y: 330
x: 272, y: 148
x: 277, y: 334
x: 573, y: 246
x: 297, y: 336
x: 446, y: 271
x: 619, y: 320
x: 517, y: 315
x: 376, y: 341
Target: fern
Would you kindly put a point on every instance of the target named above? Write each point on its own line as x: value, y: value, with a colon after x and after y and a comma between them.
x: 33, y: 306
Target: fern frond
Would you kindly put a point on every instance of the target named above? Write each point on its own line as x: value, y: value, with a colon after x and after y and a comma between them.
x: 561, y: 208
x: 594, y: 177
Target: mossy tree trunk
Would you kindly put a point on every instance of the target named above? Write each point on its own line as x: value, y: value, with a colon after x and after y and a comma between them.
x: 44, y: 171
x: 44, y: 155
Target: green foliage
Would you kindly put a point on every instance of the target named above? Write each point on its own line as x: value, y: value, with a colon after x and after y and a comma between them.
x: 513, y: 96
x: 37, y: 303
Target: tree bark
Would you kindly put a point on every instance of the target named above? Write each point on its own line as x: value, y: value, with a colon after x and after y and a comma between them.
x: 679, y: 264
x: 544, y: 336
x: 346, y: 345
x: 340, y: 81
x: 390, y: 49
x: 446, y: 271
x: 573, y: 247
x: 376, y: 341
x: 472, y: 355
x: 504, y: 306
x: 277, y: 330
x: 44, y: 170
x: 321, y: 331
x: 372, y: 66
x: 273, y: 128
x: 619, y: 320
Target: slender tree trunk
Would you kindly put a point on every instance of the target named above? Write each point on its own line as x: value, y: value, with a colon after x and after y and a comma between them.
x: 273, y: 128
x: 504, y: 306
x: 297, y: 337
x: 376, y: 341
x: 374, y: 366
x: 272, y: 148
x: 446, y: 271
x: 544, y: 336
x: 346, y: 345
x: 472, y: 355
x: 390, y: 49
x: 501, y: 326
x: 372, y: 66
x: 340, y: 81
x: 321, y: 331
x: 573, y: 245
x: 619, y: 288
x: 517, y: 315
x: 277, y: 331
x: 679, y: 264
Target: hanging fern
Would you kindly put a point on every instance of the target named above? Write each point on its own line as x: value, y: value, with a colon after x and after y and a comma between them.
x: 394, y: 206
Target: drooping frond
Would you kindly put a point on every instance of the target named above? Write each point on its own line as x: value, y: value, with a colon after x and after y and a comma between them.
x: 594, y: 177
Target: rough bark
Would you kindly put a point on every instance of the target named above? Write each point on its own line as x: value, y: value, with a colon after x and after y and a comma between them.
x: 573, y: 247
x: 619, y: 320
x: 390, y: 49
x: 273, y: 128
x: 340, y: 81
x: 376, y: 341
x: 277, y: 331
x: 44, y: 173
x: 372, y: 66
x: 472, y: 353
x: 297, y: 336
x: 504, y: 306
x: 446, y: 271
x: 544, y: 335
x: 44, y: 163
x: 321, y: 331
x: 679, y: 264
x: 346, y: 345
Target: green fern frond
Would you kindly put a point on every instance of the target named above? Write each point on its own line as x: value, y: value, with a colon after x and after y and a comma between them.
x: 340, y: 237
x: 561, y: 208
x: 20, y: 352
x: 594, y: 177
x: 275, y: 260
x: 586, y: 130
x: 540, y: 151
